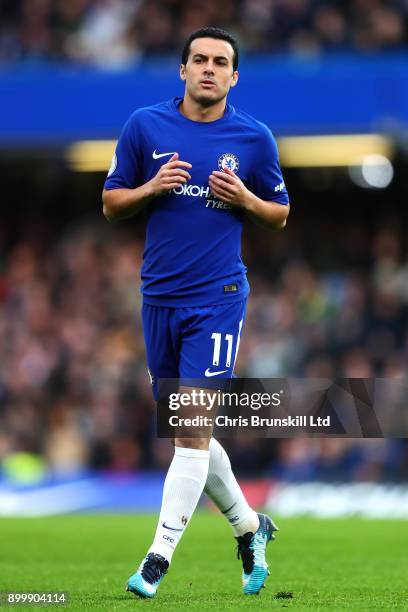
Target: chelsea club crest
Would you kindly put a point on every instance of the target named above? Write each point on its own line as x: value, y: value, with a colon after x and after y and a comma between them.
x: 228, y: 160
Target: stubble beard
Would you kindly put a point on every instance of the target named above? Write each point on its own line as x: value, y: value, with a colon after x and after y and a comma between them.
x: 208, y: 101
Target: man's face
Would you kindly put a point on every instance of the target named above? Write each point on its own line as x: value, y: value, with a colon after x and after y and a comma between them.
x: 209, y: 72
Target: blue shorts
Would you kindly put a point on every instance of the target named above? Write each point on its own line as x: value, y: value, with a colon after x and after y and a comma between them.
x: 192, y: 342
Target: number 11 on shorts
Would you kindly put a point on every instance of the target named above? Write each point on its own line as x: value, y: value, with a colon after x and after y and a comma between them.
x: 229, y: 338
x: 216, y: 336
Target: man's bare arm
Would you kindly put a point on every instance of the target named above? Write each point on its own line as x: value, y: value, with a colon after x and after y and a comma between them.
x: 267, y: 214
x: 124, y: 203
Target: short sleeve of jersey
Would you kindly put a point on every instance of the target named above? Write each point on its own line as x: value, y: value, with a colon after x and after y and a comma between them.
x: 265, y: 179
x: 125, y: 170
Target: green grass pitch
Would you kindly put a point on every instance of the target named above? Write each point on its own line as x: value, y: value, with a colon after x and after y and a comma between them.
x: 349, y: 564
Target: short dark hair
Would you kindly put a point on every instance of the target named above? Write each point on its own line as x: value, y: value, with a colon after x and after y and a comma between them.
x: 210, y: 32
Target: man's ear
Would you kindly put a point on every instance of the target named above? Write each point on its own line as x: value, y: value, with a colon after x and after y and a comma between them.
x: 234, y: 79
x: 182, y: 72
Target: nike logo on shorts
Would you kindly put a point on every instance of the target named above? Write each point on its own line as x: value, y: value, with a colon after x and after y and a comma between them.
x: 208, y: 373
x: 159, y: 155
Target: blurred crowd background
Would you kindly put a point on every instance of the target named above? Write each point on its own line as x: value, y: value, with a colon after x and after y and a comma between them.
x: 113, y: 33
x: 74, y: 389
x: 329, y: 293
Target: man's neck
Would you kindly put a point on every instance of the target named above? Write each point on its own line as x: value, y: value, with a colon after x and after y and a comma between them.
x: 194, y: 111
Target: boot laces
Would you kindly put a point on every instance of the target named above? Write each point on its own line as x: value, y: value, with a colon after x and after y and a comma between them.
x: 245, y: 552
x: 154, y: 568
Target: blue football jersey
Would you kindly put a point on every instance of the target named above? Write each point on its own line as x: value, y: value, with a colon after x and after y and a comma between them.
x: 192, y: 253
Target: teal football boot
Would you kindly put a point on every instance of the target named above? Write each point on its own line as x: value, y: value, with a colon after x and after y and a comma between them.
x: 146, y: 580
x: 251, y: 550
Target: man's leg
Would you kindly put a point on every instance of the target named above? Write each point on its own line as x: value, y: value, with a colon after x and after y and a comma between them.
x: 182, y: 490
x: 253, y: 531
x: 209, y: 350
x: 188, y: 470
x: 224, y: 490
x: 184, y: 482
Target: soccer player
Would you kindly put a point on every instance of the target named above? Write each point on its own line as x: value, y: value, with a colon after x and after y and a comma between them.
x: 198, y: 166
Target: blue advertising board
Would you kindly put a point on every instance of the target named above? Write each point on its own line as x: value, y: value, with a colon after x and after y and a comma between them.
x: 46, y: 104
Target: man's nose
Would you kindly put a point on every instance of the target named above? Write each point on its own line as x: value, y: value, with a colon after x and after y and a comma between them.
x: 209, y: 67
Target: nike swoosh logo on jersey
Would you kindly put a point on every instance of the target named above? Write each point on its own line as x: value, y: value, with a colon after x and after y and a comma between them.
x: 171, y: 528
x: 159, y: 155
x: 208, y: 373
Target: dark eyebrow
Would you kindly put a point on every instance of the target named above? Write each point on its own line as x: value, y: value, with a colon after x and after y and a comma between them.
x: 218, y: 57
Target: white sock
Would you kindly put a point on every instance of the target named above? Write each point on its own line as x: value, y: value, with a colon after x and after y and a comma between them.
x: 182, y: 489
x: 223, y: 489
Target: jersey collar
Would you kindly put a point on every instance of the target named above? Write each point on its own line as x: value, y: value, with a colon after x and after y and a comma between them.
x: 229, y: 111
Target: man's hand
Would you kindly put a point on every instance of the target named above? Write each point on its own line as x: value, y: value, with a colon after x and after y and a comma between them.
x: 124, y: 203
x: 170, y: 176
x: 228, y: 187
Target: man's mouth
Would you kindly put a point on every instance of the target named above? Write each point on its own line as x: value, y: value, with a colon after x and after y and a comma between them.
x: 207, y: 83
